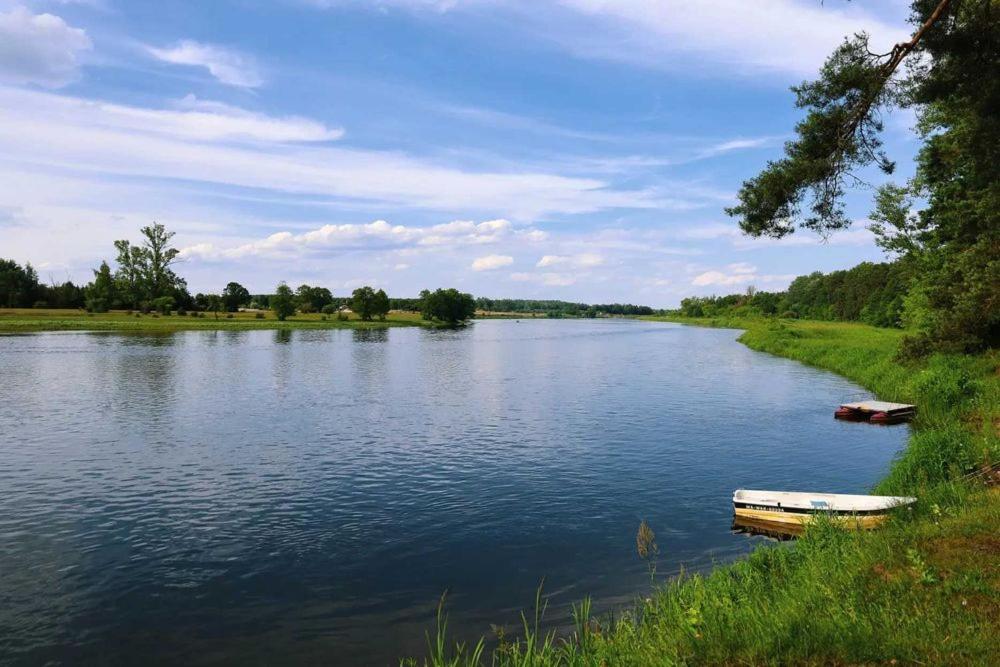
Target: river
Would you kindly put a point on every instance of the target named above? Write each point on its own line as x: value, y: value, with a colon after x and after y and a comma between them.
x: 307, y: 497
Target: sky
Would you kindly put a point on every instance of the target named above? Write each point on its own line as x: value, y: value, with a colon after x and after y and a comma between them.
x: 569, y: 149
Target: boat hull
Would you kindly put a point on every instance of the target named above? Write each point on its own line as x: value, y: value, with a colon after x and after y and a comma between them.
x: 783, y: 516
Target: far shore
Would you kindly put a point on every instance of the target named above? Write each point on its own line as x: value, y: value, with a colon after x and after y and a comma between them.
x: 27, y: 320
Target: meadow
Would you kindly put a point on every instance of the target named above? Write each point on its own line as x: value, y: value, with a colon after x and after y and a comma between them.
x: 924, y: 589
x: 24, y: 320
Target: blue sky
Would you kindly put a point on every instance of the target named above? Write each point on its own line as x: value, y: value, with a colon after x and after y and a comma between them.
x: 573, y: 149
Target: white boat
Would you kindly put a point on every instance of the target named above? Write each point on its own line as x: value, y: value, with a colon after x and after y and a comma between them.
x: 795, y: 507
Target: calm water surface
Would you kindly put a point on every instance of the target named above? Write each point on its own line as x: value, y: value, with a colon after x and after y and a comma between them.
x: 306, y: 497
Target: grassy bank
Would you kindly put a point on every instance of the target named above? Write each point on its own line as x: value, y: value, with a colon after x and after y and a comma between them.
x: 925, y: 589
x: 24, y: 320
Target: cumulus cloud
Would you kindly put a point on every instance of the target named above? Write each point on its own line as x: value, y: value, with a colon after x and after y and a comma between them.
x: 226, y: 65
x: 739, y: 273
x: 583, y: 260
x: 373, y: 235
x: 40, y: 49
x: 491, y: 262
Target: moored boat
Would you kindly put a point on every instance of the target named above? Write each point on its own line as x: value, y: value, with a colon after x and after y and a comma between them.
x: 794, y: 507
x: 876, y: 412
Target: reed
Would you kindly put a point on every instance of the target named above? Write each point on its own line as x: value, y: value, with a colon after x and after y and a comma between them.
x: 924, y: 589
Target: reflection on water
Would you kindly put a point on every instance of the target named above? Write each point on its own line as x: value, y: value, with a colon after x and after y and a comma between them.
x: 307, y: 496
x: 781, y: 532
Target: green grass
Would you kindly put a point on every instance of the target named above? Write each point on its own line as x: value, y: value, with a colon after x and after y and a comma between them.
x: 924, y: 589
x: 24, y: 320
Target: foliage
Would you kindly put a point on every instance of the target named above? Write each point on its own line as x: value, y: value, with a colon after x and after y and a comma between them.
x: 871, y: 293
x: 363, y: 302
x: 101, y: 293
x: 234, y: 296
x: 554, y: 308
x: 312, y: 299
x: 20, y: 288
x: 164, y: 304
x: 447, y: 305
x: 144, y: 271
x: 283, y: 302
x: 953, y: 242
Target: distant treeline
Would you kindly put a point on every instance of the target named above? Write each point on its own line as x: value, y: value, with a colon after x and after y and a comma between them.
x: 869, y: 293
x: 20, y: 288
x: 553, y: 308
x: 144, y: 280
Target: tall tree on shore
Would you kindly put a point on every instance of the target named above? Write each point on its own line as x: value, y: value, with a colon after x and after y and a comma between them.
x: 447, y: 305
x: 18, y: 286
x: 101, y: 294
x: 129, y: 275
x: 234, y: 296
x: 144, y: 271
x: 283, y: 302
x: 381, y: 304
x: 363, y: 302
x: 953, y: 242
x: 159, y: 256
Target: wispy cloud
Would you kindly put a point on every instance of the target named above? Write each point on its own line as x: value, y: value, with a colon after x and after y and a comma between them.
x: 103, y: 139
x: 228, y: 66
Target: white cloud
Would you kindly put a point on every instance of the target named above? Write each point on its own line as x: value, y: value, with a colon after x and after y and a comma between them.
x: 402, y: 266
x: 739, y: 273
x: 39, y: 48
x: 59, y: 132
x: 735, y: 37
x: 583, y: 260
x: 491, y: 262
x: 226, y: 65
x: 790, y: 36
x: 372, y: 235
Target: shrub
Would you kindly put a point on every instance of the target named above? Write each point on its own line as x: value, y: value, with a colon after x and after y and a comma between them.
x: 323, y: 317
x: 342, y: 316
x: 329, y: 309
x: 97, y: 305
x: 182, y: 312
x: 259, y: 316
x: 41, y: 304
x: 229, y: 316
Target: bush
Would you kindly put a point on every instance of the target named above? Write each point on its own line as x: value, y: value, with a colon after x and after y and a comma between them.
x: 259, y: 316
x: 97, y: 305
x: 182, y: 312
x: 342, y: 316
x: 229, y: 316
x: 329, y: 309
x: 41, y: 304
x: 323, y: 317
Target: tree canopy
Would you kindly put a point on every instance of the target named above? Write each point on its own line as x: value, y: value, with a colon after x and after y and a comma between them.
x: 283, y: 302
x: 447, y: 305
x: 234, y: 296
x: 944, y: 221
x: 368, y: 303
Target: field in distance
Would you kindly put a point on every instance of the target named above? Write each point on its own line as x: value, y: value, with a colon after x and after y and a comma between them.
x: 17, y: 320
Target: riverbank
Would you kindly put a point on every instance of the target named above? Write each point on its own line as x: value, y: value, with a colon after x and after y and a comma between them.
x: 925, y: 589
x: 26, y: 320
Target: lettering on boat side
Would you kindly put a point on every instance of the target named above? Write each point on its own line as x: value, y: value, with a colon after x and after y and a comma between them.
x: 765, y: 508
